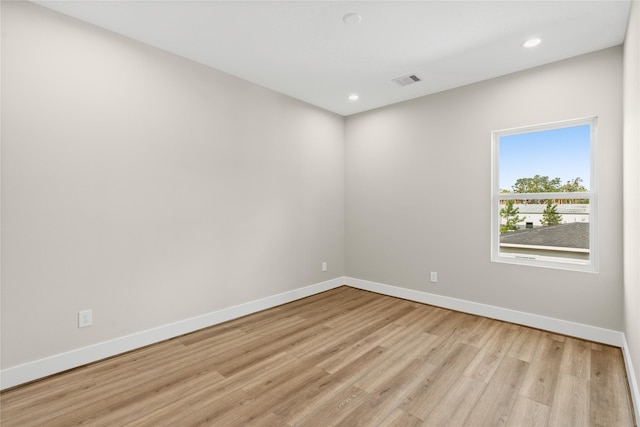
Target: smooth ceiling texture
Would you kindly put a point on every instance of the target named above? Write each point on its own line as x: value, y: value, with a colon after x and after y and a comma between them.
x: 304, y: 49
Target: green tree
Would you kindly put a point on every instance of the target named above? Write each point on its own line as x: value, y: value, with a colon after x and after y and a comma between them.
x: 574, y: 186
x: 550, y: 215
x: 510, y: 214
x: 537, y: 184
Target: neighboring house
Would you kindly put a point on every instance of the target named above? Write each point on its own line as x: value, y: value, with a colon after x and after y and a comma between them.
x: 570, y: 213
x: 569, y: 240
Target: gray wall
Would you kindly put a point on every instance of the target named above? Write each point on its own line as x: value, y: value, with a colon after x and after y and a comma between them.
x: 418, y: 190
x: 149, y: 188
x: 631, y: 164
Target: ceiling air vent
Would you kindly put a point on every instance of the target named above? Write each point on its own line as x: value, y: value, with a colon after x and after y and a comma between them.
x: 407, y: 80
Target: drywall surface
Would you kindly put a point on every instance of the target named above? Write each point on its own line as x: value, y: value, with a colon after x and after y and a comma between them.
x: 631, y: 167
x: 148, y: 188
x: 418, y: 190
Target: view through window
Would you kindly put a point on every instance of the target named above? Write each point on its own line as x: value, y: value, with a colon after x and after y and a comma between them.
x: 544, y: 201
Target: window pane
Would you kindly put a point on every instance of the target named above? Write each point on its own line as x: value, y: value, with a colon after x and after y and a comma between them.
x: 546, y: 229
x: 543, y: 161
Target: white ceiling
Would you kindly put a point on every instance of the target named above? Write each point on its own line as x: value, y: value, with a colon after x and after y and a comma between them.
x: 305, y: 50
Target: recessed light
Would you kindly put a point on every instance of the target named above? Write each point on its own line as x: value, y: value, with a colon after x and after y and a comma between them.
x: 354, y: 97
x: 351, y: 18
x: 532, y: 42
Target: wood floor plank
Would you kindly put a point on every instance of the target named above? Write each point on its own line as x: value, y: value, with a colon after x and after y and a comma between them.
x: 437, y: 321
x: 398, y: 360
x: 576, y: 358
x: 455, y: 406
x: 269, y: 366
x: 331, y: 304
x: 417, y: 317
x: 211, y: 394
x: 45, y: 394
x: 399, y: 418
x: 494, y: 407
x: 540, y: 382
x: 334, y: 410
x: 429, y: 392
x: 465, y: 327
x: 128, y: 411
x: 528, y: 413
x: 239, y: 358
x: 374, y: 308
x: 339, y: 360
x: 343, y: 357
x: 525, y: 344
x: 439, y: 350
x: 484, y: 365
x: 205, y: 408
x: 294, y: 408
x: 482, y: 332
x: 609, y: 402
x: 404, y: 336
x: 340, y: 341
x: 571, y: 403
x: 388, y: 395
x: 246, y: 412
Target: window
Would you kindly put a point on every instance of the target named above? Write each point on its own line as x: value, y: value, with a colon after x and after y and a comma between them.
x: 544, y: 207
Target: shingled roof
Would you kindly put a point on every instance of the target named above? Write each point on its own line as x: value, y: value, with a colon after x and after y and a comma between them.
x: 571, y: 235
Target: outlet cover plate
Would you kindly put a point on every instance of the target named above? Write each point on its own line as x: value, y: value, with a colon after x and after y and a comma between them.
x: 85, y: 318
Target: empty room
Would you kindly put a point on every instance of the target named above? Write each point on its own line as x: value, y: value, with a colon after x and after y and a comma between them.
x: 318, y: 213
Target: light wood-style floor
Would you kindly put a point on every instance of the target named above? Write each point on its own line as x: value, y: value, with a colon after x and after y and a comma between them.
x: 344, y: 357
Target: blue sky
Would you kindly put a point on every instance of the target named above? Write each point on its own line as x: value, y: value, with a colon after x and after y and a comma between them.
x: 563, y: 153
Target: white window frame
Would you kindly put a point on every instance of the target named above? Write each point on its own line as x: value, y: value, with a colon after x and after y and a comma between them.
x: 591, y: 195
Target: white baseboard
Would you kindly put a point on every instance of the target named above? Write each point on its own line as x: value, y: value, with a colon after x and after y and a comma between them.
x: 631, y: 375
x: 564, y: 327
x: 30, y: 371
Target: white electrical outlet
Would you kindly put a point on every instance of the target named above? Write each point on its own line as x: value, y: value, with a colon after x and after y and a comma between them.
x: 324, y: 266
x: 434, y: 277
x: 85, y: 318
